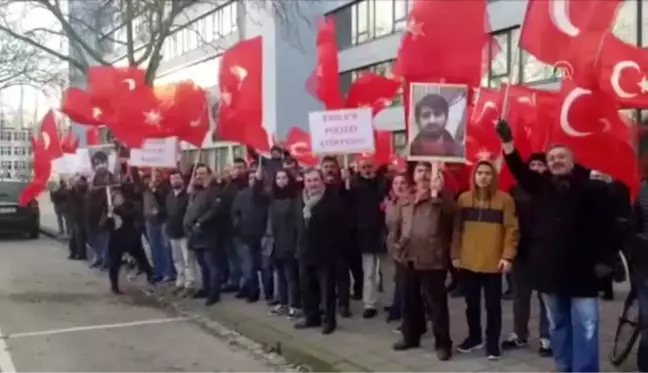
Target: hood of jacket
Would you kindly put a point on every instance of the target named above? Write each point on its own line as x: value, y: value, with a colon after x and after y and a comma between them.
x: 492, y: 188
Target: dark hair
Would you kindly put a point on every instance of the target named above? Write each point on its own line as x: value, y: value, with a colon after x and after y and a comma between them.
x: 175, y: 171
x: 404, y: 175
x: 330, y: 158
x: 433, y: 101
x: 542, y: 157
x: 99, y: 157
x: 290, y: 190
x: 240, y: 160
x: 427, y: 165
x: 201, y: 165
x: 314, y: 170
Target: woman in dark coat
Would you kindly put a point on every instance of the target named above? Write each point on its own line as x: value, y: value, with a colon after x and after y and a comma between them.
x: 124, y: 237
x: 282, y: 223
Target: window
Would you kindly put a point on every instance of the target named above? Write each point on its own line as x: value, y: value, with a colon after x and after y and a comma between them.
x: 20, y: 136
x: 626, y: 26
x: 370, y: 19
x: 19, y: 150
x: 5, y: 136
x: 20, y: 165
x: 6, y: 165
x: 505, y: 61
x: 399, y: 141
x: 381, y: 68
x: 5, y: 150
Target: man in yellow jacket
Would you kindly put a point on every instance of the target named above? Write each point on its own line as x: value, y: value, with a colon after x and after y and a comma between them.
x: 483, y: 246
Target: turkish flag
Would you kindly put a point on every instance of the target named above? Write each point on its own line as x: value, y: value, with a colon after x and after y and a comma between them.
x: 139, y: 114
x: 92, y: 136
x: 372, y: 90
x: 384, y: 149
x: 70, y: 143
x: 240, y: 114
x: 42, y: 172
x: 324, y: 82
x: 444, y: 42
x: 482, y: 142
x: 624, y: 72
x: 588, y: 123
x: 298, y: 144
x: 77, y: 105
x: 107, y: 82
x: 188, y: 116
x: 558, y: 31
x: 48, y: 134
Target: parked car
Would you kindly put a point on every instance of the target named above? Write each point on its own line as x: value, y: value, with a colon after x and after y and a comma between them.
x: 16, y: 218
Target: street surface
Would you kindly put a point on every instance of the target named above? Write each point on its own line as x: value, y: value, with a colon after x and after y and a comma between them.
x: 58, y: 315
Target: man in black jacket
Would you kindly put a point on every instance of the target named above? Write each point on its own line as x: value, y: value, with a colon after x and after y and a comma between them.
x: 184, y: 259
x: 521, y: 269
x: 570, y: 249
x: 76, y: 211
x: 203, y: 224
x: 639, y: 253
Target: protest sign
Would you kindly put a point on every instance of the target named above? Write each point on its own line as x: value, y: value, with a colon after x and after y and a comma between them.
x: 346, y: 131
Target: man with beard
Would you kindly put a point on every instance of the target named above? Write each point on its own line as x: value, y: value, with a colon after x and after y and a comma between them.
x: 234, y: 246
x: 571, y: 249
x: 184, y: 259
x: 431, y: 116
x: 366, y: 195
x: 203, y: 224
x: 347, y: 258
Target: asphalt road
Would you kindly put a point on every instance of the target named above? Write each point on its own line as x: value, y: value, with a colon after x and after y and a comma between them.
x: 58, y: 315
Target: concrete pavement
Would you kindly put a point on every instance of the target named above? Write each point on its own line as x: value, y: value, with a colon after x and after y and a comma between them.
x: 365, y: 345
x: 58, y: 315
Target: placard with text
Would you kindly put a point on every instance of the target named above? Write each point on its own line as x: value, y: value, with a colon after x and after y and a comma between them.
x: 158, y: 153
x: 346, y: 131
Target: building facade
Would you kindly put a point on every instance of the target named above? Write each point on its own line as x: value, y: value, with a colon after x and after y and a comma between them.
x: 15, y: 152
x: 368, y: 35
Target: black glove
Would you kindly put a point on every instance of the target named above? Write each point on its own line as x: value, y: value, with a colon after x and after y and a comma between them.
x: 504, y: 131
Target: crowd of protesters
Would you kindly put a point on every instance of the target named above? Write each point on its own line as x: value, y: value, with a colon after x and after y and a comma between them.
x: 309, y: 241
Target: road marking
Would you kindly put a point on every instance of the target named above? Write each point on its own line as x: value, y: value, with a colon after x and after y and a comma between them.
x: 93, y: 327
x: 6, y: 363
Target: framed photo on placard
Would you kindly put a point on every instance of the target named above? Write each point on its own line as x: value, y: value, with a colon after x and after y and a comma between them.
x: 437, y: 122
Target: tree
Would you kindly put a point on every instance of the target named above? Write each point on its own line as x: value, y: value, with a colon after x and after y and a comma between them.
x: 78, y: 34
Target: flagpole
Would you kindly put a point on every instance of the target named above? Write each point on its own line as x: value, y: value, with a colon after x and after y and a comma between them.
x: 514, y: 61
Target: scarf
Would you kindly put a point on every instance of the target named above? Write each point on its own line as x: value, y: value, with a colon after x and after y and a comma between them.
x: 310, y: 200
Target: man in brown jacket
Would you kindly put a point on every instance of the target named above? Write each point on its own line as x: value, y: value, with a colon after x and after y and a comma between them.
x: 420, y: 244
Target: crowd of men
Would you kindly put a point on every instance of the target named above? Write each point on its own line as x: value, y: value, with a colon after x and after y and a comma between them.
x: 309, y: 241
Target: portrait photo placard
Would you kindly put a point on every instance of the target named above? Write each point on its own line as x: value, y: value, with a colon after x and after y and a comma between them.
x: 437, y: 122
x: 103, y: 165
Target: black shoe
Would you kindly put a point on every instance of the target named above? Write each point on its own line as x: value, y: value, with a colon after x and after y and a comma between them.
x: 272, y: 302
x: 391, y: 317
x: 71, y: 257
x: 240, y: 295
x: 444, y: 354
x: 456, y: 293
x: 211, y: 301
x: 402, y: 345
x: 229, y: 288
x: 507, y: 295
x: 328, y: 329
x: 470, y: 344
x: 200, y: 294
x: 116, y: 291
x: 493, y: 352
x: 357, y: 295
x: 306, y: 325
x: 514, y: 343
x: 545, y: 349
x: 608, y: 296
x: 253, y: 299
x: 369, y: 313
x: 345, y: 312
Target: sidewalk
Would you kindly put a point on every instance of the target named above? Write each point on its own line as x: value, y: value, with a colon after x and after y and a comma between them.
x: 365, y: 345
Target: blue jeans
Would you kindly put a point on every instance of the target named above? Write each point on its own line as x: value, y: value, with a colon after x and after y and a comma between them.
x: 160, y: 251
x: 574, y: 328
x: 233, y: 248
x: 98, y: 241
x: 288, y: 282
x: 641, y: 287
x: 210, y: 263
x: 254, y: 264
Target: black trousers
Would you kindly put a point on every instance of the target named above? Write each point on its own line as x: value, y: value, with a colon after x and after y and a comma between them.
x: 116, y: 252
x: 472, y: 284
x: 318, y: 292
x: 343, y: 281
x: 78, y: 240
x: 418, y: 288
x: 355, y: 266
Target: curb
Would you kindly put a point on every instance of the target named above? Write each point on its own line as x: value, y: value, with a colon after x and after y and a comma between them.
x: 270, y: 340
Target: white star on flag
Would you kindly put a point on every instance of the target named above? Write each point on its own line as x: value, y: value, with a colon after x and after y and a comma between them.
x: 483, y: 154
x: 96, y: 113
x: 415, y: 28
x: 643, y: 84
x: 226, y: 98
x: 152, y: 118
x: 194, y: 123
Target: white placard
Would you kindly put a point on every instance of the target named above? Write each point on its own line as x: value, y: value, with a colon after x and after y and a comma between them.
x: 162, y: 153
x: 347, y: 131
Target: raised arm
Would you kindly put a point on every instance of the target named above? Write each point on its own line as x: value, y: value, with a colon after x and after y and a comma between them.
x: 529, y: 181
